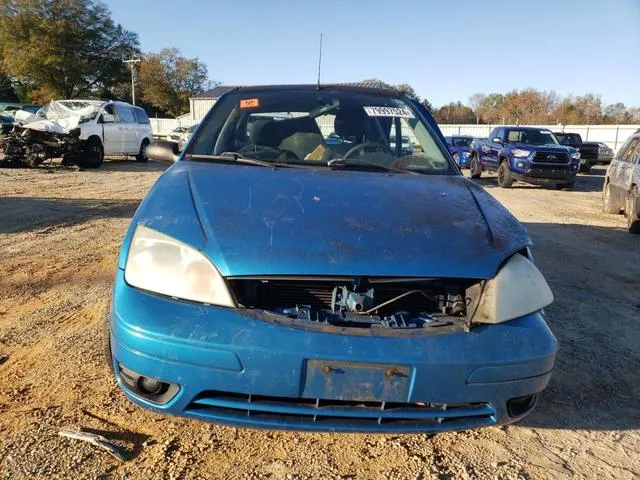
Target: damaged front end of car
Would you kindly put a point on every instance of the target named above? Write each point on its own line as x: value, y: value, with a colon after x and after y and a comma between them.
x: 389, y: 305
x: 27, y: 147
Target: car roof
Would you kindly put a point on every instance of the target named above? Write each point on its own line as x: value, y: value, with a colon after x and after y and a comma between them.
x: 312, y: 87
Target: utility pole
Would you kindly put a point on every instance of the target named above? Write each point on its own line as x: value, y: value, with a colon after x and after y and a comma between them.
x: 132, y: 65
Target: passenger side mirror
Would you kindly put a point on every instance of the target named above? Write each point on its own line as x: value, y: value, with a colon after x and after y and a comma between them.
x: 107, y: 118
x: 163, y: 151
x: 496, y: 140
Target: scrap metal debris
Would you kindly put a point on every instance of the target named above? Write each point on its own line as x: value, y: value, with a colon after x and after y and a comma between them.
x: 97, y: 440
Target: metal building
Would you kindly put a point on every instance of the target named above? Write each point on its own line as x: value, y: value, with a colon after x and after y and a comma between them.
x: 200, y: 105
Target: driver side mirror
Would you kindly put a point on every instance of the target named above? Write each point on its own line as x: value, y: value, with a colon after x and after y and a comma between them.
x: 496, y: 140
x: 107, y: 118
x: 163, y: 151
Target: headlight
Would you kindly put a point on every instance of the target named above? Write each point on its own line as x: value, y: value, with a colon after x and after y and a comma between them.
x: 161, y: 264
x: 517, y: 290
x: 520, y: 153
x: 575, y: 156
x: 466, y: 154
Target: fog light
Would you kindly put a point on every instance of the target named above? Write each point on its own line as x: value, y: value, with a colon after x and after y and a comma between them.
x: 517, y: 407
x: 151, y: 386
x: 520, y: 164
x: 152, y: 389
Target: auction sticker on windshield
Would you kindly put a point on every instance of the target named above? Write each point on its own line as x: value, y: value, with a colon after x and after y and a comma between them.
x: 389, y: 112
x: 250, y: 103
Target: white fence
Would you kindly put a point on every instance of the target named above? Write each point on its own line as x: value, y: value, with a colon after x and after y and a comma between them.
x: 612, y: 135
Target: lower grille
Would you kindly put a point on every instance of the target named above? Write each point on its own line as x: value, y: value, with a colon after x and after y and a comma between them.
x: 551, y: 173
x: 317, y: 294
x: 548, y: 157
x: 337, y: 415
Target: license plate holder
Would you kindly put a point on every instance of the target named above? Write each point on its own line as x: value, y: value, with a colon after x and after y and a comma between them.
x: 365, y: 382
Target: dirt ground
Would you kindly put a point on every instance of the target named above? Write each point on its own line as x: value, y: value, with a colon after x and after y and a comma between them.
x: 60, y: 231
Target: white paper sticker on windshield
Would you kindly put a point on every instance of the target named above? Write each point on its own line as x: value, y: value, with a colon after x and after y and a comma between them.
x: 388, y: 112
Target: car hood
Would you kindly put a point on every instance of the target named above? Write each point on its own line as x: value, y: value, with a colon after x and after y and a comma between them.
x: 551, y: 147
x: 301, y: 221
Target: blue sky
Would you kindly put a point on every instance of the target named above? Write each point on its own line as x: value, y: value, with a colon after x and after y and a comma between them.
x: 447, y: 50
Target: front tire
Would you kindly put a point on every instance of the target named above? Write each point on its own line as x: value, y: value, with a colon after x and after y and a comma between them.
x: 608, y: 205
x: 631, y: 211
x: 475, y: 168
x: 505, y: 179
x: 586, y: 168
x: 142, y: 154
x: 92, y: 155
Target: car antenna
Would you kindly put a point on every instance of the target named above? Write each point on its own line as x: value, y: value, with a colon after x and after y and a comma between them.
x: 319, y: 61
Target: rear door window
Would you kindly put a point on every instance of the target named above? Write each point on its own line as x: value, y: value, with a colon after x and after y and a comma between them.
x: 628, y: 156
x: 140, y: 115
x: 125, y: 114
x: 633, y: 153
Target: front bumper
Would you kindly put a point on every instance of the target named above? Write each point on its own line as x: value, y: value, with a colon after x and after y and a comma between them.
x: 243, y: 371
x: 545, y: 174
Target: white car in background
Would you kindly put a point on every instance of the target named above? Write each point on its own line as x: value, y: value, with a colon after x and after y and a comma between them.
x: 106, y: 127
x: 175, y: 134
x: 186, y: 136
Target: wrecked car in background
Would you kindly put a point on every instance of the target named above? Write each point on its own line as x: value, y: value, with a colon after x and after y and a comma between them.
x: 82, y: 132
x: 273, y: 279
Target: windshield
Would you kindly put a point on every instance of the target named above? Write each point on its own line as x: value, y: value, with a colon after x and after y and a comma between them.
x: 313, y: 127
x: 532, y: 137
x: 461, y: 141
x: 569, y: 138
x: 59, y: 110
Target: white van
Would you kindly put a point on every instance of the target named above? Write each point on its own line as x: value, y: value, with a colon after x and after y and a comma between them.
x: 106, y: 127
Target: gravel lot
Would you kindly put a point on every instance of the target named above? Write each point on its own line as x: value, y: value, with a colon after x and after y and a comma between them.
x: 60, y: 230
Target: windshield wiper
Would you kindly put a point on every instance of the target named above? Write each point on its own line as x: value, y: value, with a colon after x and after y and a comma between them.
x: 342, y: 163
x: 234, y: 157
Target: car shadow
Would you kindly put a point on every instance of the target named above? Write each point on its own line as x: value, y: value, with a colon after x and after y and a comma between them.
x: 119, y: 164
x: 45, y: 215
x: 595, y: 319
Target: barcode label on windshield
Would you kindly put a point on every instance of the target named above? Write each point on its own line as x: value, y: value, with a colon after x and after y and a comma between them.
x: 388, y: 112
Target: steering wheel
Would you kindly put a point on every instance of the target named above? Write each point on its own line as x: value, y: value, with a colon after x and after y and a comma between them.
x: 364, y: 147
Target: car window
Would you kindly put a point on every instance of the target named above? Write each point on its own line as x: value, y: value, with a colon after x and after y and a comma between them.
x: 531, y: 136
x: 111, y: 111
x: 312, y: 127
x: 461, y: 142
x: 140, y: 115
x: 631, y: 153
x: 125, y: 114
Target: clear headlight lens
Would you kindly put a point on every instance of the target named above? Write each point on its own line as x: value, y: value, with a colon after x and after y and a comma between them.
x: 520, y: 153
x: 575, y: 156
x: 517, y: 290
x: 161, y: 264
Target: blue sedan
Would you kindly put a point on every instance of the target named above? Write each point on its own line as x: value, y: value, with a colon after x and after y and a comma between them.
x: 274, y: 279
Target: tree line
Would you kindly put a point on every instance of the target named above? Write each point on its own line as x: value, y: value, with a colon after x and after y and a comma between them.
x: 60, y: 49
x: 531, y: 106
